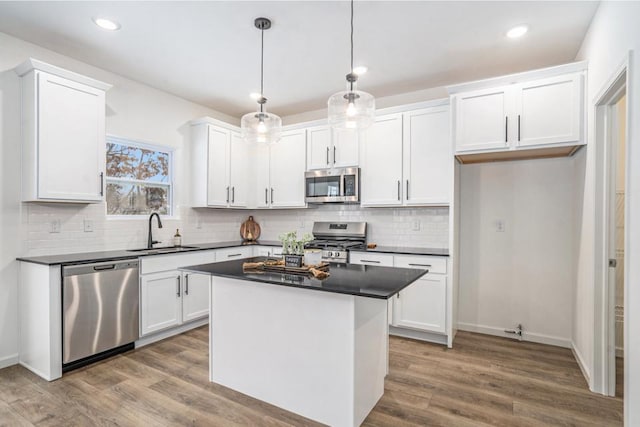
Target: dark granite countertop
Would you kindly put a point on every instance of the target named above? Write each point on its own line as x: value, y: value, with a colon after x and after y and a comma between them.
x: 361, y: 280
x: 90, y: 257
x: 408, y: 250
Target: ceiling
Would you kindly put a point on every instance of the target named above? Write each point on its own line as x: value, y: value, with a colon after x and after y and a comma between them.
x: 209, y: 52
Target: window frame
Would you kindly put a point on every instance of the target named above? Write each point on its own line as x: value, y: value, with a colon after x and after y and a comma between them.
x: 170, y: 183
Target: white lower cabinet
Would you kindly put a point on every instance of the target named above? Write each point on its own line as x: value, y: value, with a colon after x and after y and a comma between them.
x: 195, y: 296
x: 271, y: 251
x: 424, y: 305
x: 237, y: 252
x: 160, y: 301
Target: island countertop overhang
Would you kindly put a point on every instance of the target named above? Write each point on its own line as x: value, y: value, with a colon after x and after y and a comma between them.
x: 359, y: 280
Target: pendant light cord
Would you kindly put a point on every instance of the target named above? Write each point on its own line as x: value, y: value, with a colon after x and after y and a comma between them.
x: 351, y: 69
x: 262, y: 68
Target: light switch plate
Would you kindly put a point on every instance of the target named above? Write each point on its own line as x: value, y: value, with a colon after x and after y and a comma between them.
x: 500, y: 226
x: 88, y: 226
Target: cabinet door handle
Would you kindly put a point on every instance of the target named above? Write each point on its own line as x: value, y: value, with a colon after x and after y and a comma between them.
x: 420, y: 265
x: 407, y: 189
x: 178, y: 292
x: 101, y: 184
x: 334, y: 154
x: 266, y: 196
x: 271, y: 195
x: 327, y: 155
x: 233, y: 255
x: 186, y: 284
x: 369, y: 260
x: 233, y: 194
x: 518, y: 127
x: 399, y: 190
x: 506, y: 129
x: 227, y: 194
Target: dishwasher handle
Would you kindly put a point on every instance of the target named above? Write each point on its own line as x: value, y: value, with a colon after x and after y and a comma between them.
x: 98, y: 267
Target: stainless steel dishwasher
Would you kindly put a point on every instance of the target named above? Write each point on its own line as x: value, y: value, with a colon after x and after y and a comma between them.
x: 100, y: 309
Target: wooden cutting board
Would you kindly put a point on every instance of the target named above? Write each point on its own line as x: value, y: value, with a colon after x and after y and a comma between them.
x: 250, y: 230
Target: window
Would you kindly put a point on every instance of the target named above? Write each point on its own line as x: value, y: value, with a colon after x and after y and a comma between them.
x: 139, y: 178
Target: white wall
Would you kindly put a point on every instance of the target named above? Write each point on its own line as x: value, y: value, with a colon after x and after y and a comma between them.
x: 613, y: 32
x: 133, y: 110
x: 524, y: 274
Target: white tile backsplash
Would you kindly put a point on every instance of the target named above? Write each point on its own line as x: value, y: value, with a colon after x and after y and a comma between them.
x: 386, y: 226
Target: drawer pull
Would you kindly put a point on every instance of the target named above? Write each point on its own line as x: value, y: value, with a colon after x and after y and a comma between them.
x: 420, y: 265
x: 232, y: 255
x: 371, y: 261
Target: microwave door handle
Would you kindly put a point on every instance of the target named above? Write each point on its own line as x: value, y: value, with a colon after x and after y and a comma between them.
x: 342, y: 185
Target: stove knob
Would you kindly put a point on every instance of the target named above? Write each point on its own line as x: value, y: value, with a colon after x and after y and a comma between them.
x: 330, y: 254
x: 337, y: 254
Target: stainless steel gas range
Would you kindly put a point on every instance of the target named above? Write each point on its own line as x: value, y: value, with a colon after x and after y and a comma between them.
x: 336, y: 239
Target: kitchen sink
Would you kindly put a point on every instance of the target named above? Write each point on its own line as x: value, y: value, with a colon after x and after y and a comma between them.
x: 163, y: 250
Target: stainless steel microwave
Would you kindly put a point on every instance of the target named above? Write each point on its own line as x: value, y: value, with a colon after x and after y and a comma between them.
x: 333, y: 186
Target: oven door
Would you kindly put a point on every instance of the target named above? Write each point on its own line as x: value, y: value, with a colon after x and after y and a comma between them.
x: 333, y: 186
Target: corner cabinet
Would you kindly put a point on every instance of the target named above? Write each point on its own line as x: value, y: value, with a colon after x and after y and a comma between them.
x: 407, y: 159
x: 528, y: 118
x: 63, y: 135
x: 219, y: 167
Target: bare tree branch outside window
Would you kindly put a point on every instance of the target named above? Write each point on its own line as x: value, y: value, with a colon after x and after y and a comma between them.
x: 138, y: 179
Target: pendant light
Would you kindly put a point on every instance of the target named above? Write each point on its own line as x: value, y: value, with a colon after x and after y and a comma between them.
x: 352, y: 108
x: 261, y: 126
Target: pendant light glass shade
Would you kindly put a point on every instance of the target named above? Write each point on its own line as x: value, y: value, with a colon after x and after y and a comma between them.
x: 261, y: 127
x: 351, y: 109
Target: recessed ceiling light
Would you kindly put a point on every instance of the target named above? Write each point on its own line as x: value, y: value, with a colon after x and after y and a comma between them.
x: 106, y: 24
x: 360, y: 70
x: 254, y: 95
x: 518, y: 31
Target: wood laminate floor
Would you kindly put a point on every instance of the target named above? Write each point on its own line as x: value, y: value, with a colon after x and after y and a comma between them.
x: 483, y: 381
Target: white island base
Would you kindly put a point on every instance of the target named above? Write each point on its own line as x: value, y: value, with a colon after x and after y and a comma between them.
x: 318, y: 354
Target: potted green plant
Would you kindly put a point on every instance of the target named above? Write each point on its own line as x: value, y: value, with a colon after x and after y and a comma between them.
x: 293, y: 249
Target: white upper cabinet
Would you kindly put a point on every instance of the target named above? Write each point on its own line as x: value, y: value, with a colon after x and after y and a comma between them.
x: 407, y: 159
x: 549, y: 111
x: 328, y: 148
x: 345, y: 151
x: 218, y: 154
x: 63, y: 132
x: 261, y: 160
x: 534, y: 114
x: 381, y: 174
x: 239, y: 171
x: 319, y: 147
x: 220, y: 166
x: 286, y: 170
x: 482, y: 119
x: 428, y: 157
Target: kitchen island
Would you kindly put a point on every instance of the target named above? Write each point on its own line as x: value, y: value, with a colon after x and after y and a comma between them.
x: 318, y: 348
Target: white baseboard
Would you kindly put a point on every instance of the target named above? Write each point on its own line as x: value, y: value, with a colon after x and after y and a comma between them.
x: 583, y: 366
x: 526, y: 336
x: 10, y: 360
x: 170, y: 332
x: 418, y: 335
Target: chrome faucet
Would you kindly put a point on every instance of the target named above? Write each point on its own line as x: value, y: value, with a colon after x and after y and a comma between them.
x: 150, y: 241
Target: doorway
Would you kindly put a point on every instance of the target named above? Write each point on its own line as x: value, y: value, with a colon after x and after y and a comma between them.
x: 611, y: 131
x: 617, y: 115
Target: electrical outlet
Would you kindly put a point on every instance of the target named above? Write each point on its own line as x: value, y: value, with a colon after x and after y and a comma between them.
x: 500, y: 225
x: 54, y: 226
x: 416, y: 225
x: 198, y: 223
x: 88, y: 226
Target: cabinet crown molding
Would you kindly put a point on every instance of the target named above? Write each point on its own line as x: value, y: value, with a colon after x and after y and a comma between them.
x: 572, y: 67
x: 34, y: 64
